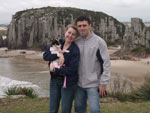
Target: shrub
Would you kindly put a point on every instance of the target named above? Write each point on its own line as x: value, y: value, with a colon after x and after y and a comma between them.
x: 143, y: 92
x: 119, y: 90
x: 139, y: 49
x: 29, y: 92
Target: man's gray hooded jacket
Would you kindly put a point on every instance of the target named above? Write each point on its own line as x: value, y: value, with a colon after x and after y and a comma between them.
x: 94, y: 66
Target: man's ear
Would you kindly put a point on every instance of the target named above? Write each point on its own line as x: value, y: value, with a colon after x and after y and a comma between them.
x: 90, y: 25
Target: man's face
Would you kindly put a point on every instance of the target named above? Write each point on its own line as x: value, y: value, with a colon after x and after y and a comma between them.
x: 83, y: 28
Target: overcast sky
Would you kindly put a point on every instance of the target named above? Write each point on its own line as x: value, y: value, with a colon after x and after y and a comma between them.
x: 122, y: 10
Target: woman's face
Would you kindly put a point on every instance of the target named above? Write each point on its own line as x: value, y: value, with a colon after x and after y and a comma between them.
x: 70, y: 35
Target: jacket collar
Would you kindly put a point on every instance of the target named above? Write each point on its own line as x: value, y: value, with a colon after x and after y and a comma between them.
x: 88, y: 37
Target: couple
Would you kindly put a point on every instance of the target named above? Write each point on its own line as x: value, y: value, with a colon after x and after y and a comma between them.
x: 86, y: 67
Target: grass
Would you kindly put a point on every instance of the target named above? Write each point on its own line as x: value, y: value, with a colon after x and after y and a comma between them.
x: 24, y: 105
x: 139, y: 49
x: 126, y: 107
x: 131, y: 100
x: 41, y: 105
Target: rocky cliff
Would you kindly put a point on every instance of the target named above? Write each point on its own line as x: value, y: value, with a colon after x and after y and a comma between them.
x: 136, y: 35
x: 37, y: 27
x: 3, y: 36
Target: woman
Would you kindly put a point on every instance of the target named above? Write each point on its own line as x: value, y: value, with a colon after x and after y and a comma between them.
x: 69, y: 69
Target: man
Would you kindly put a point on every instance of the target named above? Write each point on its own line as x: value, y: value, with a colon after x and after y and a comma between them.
x: 94, y: 67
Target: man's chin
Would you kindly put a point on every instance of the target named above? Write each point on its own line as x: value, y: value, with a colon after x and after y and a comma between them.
x: 82, y: 34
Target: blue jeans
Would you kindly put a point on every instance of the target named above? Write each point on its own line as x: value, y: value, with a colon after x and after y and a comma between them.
x: 57, y: 93
x: 90, y: 94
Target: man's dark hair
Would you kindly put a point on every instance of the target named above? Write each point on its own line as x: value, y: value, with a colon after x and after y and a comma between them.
x: 83, y: 18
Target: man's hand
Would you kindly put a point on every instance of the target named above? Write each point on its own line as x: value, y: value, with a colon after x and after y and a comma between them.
x: 61, y: 59
x: 102, y: 90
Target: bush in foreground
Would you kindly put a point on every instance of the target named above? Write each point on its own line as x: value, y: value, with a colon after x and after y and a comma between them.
x: 29, y: 92
x: 124, y: 91
x: 143, y: 92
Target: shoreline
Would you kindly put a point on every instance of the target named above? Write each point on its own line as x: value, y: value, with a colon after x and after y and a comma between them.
x: 28, y: 53
x: 133, y: 71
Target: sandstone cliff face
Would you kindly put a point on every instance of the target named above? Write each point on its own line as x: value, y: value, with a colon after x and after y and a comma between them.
x: 37, y: 27
x: 3, y: 36
x: 136, y: 35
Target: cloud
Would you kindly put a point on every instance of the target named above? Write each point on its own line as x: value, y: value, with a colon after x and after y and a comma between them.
x: 123, y: 10
x: 125, y: 2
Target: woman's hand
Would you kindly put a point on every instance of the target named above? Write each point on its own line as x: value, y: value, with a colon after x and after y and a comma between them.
x: 61, y: 59
x: 52, y: 68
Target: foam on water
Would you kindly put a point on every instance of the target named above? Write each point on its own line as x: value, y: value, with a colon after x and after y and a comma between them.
x: 6, y: 83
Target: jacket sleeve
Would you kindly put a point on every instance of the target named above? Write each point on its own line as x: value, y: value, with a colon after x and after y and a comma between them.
x: 104, y: 62
x: 47, y: 56
x: 72, y: 67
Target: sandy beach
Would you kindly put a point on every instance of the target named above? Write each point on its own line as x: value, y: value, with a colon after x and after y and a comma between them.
x: 136, y: 71
x: 133, y: 70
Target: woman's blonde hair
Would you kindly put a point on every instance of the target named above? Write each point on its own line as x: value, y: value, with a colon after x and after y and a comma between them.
x: 72, y: 26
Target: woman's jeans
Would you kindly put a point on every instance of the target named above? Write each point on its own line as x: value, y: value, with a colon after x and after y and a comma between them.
x: 57, y: 93
x: 90, y: 94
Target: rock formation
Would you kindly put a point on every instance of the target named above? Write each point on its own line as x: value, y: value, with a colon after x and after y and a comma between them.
x: 3, y: 36
x: 37, y: 27
x: 136, y: 35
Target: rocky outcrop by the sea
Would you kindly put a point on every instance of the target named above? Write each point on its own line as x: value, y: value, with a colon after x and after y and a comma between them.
x: 137, y: 35
x: 3, y: 36
x: 35, y: 28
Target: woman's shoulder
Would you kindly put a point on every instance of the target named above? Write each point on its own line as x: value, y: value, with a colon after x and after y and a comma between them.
x: 75, y: 47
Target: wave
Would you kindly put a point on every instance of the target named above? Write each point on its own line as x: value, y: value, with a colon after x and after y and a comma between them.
x: 6, y: 83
